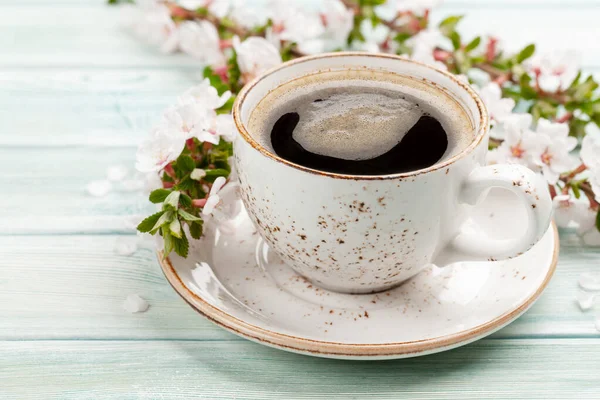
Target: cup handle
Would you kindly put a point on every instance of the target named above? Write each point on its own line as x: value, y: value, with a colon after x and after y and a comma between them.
x: 532, y: 190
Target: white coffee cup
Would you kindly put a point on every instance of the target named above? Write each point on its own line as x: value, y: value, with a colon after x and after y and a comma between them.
x: 401, y: 222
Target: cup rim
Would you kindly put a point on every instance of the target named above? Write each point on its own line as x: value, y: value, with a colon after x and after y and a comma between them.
x: 241, y: 128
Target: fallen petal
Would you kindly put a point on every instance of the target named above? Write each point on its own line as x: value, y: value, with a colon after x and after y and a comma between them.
x: 125, y: 247
x: 585, y: 300
x: 116, y: 173
x: 98, y: 188
x: 589, y: 281
x: 135, y: 304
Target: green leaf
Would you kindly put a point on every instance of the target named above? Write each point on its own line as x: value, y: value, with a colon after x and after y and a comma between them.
x: 175, y: 228
x: 527, y: 92
x: 159, y: 195
x: 402, y: 37
x: 196, y: 229
x: 576, y: 80
x: 448, y: 25
x: 168, y: 243
x: 372, y: 3
x: 164, y: 219
x: 227, y: 107
x: 186, y: 163
x: 598, y: 220
x: 212, y: 174
x: 473, y: 44
x: 181, y: 245
x: 148, y: 223
x: 525, y: 53
x: 202, y: 11
x: 234, y: 73
x: 455, y: 38
x: 172, y: 200
x: 355, y: 33
x: 185, y: 200
x: 185, y: 184
x: 576, y: 191
x: 215, y: 80
x: 187, y: 216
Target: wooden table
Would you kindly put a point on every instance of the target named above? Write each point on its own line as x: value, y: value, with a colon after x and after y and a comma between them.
x: 76, y: 95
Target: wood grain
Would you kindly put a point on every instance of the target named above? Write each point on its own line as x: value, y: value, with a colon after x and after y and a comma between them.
x: 547, y: 369
x: 77, y: 94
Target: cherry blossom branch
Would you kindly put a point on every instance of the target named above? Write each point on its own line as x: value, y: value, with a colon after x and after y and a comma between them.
x: 192, y: 179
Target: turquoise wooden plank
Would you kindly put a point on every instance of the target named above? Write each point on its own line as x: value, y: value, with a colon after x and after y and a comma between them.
x: 43, y: 184
x: 74, y: 107
x: 65, y: 36
x: 546, y: 369
x: 73, y: 287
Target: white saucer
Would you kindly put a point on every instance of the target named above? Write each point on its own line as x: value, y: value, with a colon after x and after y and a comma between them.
x: 235, y: 281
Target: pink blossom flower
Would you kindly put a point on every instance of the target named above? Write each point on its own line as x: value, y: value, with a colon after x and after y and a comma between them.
x: 293, y: 23
x: 498, y: 108
x: 162, y: 148
x: 519, y: 143
x: 423, y: 45
x: 200, y: 39
x: 255, y: 55
x: 552, y: 153
x: 375, y: 37
x: 205, y: 95
x: 554, y: 71
x: 338, y: 21
x: 152, y: 22
x: 568, y: 210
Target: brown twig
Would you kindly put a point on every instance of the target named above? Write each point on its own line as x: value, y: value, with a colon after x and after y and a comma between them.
x: 586, y: 188
x: 183, y: 13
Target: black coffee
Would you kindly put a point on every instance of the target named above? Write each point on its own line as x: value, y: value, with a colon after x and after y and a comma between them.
x: 362, y: 126
x: 422, y: 146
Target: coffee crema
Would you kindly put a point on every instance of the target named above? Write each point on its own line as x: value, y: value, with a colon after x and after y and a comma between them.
x: 360, y: 123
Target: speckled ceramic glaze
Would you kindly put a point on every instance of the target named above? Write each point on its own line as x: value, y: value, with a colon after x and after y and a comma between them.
x: 238, y: 283
x: 362, y: 234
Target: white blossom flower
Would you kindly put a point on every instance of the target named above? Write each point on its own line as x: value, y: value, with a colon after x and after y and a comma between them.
x: 243, y: 12
x: 338, y: 21
x: 391, y: 8
x: 162, y: 148
x: 255, y: 55
x: 590, y: 156
x: 519, y: 144
x: 223, y: 124
x: 296, y: 24
x: 200, y: 39
x: 375, y: 37
x: 205, y: 95
x: 152, y: 22
x: 552, y: 153
x: 568, y: 210
x: 189, y: 120
x: 220, y: 126
x: 554, y: 71
x: 423, y: 45
x: 213, y: 196
x: 590, y: 151
x: 498, y: 107
x: 587, y: 227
